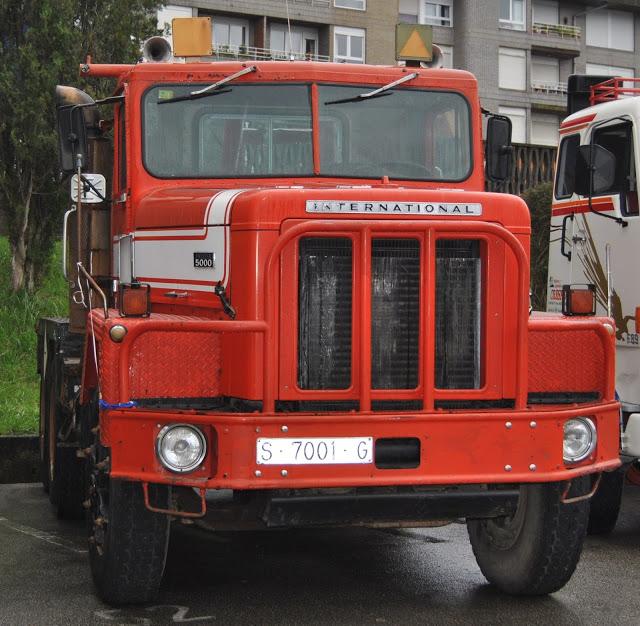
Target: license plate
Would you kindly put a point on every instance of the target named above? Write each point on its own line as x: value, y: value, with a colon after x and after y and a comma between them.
x: 314, y: 451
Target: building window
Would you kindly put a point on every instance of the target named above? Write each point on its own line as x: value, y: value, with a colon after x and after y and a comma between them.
x: 408, y: 12
x: 595, y: 69
x: 168, y: 12
x: 348, y: 44
x: 360, y: 5
x: 546, y: 12
x: 545, y: 74
x: 544, y: 129
x: 303, y: 42
x: 610, y: 29
x: 512, y: 69
x: 438, y: 13
x: 512, y: 14
x: 229, y: 32
x: 447, y: 55
x: 518, y: 119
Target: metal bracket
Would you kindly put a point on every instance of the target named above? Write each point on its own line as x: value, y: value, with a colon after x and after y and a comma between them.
x: 175, y: 512
x: 565, y: 500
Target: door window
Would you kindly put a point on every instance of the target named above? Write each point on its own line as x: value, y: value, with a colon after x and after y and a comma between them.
x: 618, y: 139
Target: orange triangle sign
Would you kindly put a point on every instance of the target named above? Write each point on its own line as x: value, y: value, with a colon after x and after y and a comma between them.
x: 415, y: 47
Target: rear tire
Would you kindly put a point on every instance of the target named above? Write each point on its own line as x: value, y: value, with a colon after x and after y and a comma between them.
x: 127, y: 542
x: 535, y: 551
x: 605, y: 504
x: 64, y: 469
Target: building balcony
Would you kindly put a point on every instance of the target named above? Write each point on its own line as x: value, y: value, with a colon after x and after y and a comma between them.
x: 548, y: 97
x: 562, y: 31
x: 243, y: 53
x: 549, y: 88
x: 313, y: 3
x: 563, y: 40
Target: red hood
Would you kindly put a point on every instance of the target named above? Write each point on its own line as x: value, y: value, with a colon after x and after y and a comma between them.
x: 267, y: 207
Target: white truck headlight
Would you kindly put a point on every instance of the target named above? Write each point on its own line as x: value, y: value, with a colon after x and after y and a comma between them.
x: 180, y: 447
x: 579, y: 439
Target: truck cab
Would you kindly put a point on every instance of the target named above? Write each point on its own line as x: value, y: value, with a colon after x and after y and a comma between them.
x: 594, y: 227
x: 306, y: 311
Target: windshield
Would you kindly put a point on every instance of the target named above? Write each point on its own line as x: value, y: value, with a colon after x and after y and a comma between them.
x: 265, y: 130
x: 404, y: 133
x: 240, y: 130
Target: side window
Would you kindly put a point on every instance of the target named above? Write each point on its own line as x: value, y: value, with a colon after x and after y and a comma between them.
x: 566, y: 174
x: 618, y: 139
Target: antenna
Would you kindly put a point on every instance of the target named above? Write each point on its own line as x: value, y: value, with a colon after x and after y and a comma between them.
x: 291, y: 57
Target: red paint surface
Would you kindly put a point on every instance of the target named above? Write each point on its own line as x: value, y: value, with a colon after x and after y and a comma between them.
x: 191, y: 348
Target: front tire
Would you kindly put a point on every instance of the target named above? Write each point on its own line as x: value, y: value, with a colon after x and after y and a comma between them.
x: 127, y: 542
x: 535, y: 551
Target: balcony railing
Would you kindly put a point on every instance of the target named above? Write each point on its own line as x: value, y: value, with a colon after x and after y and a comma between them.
x: 313, y: 3
x: 562, y: 31
x: 240, y: 53
x: 549, y: 87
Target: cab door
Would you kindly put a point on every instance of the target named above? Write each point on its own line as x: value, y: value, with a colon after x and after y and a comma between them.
x: 597, y: 241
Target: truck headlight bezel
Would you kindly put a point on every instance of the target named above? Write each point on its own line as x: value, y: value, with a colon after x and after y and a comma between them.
x: 191, y: 435
x: 586, y: 428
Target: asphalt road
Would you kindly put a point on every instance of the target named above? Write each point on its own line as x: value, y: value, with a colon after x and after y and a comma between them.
x: 362, y: 576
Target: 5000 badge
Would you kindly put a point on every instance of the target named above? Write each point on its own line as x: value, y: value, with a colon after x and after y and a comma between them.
x: 204, y: 260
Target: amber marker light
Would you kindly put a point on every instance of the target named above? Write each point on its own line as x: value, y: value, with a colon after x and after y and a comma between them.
x: 134, y: 300
x: 578, y: 299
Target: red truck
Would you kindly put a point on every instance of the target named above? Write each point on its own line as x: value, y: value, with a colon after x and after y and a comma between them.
x: 293, y: 304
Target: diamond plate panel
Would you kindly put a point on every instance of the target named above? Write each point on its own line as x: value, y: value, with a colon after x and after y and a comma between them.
x: 565, y: 361
x: 175, y: 365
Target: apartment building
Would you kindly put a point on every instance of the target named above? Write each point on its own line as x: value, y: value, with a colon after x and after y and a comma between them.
x: 522, y: 51
x: 350, y: 31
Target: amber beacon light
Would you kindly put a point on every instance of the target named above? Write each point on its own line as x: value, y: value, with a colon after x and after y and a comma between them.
x: 578, y: 300
x: 134, y: 300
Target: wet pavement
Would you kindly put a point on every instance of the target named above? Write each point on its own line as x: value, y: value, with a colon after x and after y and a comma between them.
x: 338, y: 576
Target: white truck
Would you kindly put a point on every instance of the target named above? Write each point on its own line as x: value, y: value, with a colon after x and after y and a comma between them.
x: 595, y: 241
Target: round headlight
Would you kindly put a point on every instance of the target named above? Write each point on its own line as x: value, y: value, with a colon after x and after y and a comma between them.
x: 579, y: 439
x: 180, y: 447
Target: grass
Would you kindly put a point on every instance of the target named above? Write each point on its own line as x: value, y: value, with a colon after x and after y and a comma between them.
x: 19, y: 382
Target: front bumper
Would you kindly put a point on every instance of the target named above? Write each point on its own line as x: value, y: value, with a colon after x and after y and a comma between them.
x: 483, y: 447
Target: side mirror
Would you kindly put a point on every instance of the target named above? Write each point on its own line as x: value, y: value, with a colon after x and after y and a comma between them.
x: 498, y: 148
x: 72, y: 138
x: 72, y: 127
x: 595, y: 170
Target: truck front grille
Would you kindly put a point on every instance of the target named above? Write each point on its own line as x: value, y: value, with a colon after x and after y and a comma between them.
x: 395, y: 313
x: 324, y: 313
x: 458, y: 307
x: 325, y: 303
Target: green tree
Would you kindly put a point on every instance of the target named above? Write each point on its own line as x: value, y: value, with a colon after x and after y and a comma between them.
x: 538, y: 200
x: 42, y: 43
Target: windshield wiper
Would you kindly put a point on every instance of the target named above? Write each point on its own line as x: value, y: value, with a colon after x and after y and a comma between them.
x: 376, y: 93
x: 211, y: 90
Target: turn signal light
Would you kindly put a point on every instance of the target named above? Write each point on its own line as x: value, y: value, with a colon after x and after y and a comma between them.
x: 578, y: 299
x: 134, y: 300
